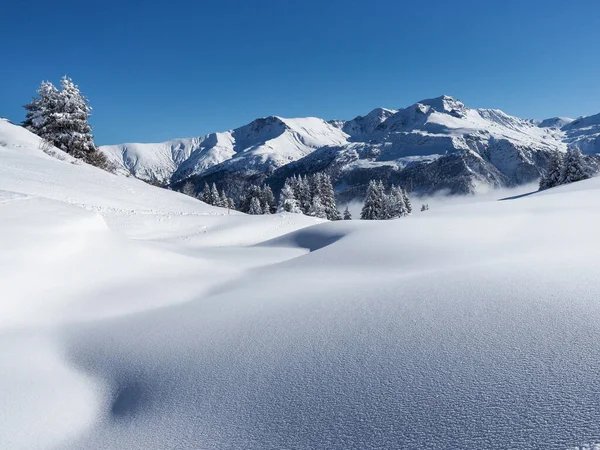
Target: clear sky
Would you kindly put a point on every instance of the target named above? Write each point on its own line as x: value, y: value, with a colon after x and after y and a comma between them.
x: 155, y: 70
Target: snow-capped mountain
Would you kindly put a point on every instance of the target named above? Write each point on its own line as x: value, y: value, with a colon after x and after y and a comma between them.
x: 262, y: 145
x: 434, y: 144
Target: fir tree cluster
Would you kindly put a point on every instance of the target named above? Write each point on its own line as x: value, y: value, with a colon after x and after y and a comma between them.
x: 210, y: 195
x: 564, y: 169
x: 382, y: 205
x: 313, y: 196
x: 258, y: 200
x: 60, y: 118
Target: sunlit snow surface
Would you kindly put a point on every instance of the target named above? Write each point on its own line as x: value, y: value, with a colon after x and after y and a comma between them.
x: 136, y: 318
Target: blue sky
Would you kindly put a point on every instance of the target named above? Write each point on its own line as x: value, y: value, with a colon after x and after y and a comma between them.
x: 158, y: 70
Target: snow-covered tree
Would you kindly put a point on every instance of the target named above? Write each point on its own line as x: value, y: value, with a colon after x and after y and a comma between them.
x: 40, y: 109
x: 347, y: 215
x: 61, y: 118
x: 268, y: 202
x: 424, y: 207
x: 188, y: 189
x: 552, y: 176
x: 255, y: 208
x: 287, y: 199
x: 230, y: 203
x: 205, y: 195
x: 302, y: 192
x: 406, y: 200
x: 72, y: 132
x: 324, y: 187
x: 374, y: 202
x: 317, y: 209
x: 214, y: 198
x: 223, y: 200
x: 573, y: 168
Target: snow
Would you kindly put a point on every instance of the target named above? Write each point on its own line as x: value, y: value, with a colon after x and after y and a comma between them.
x: 135, y: 317
x: 271, y: 141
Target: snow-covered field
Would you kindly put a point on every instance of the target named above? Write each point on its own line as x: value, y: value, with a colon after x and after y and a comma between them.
x: 133, y: 317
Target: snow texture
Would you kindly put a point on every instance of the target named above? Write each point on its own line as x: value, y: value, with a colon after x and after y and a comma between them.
x: 138, y: 318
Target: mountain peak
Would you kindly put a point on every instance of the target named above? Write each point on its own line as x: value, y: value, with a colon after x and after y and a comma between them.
x: 445, y: 103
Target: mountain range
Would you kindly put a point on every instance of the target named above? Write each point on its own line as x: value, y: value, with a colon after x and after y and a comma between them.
x: 432, y: 145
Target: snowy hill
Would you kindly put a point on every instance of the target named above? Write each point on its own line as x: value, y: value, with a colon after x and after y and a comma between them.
x: 134, y: 317
x: 435, y: 144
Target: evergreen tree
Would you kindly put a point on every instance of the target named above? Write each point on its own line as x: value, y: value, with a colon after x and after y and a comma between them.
x: 327, y: 196
x: 394, y: 204
x: 302, y: 192
x: 373, y: 206
x: 573, y: 168
x: 188, y: 189
x: 68, y: 124
x: 230, y: 203
x: 223, y: 201
x: 61, y: 118
x: 253, y: 191
x: 347, y: 215
x: 40, y: 109
x: 287, y: 199
x: 255, y: 208
x: 407, y: 203
x: 268, y: 202
x: 317, y: 209
x: 214, y: 197
x: 205, y: 194
x: 552, y: 177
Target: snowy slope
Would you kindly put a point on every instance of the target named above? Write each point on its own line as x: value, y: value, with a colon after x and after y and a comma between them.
x: 584, y: 133
x: 153, y: 162
x: 137, y: 318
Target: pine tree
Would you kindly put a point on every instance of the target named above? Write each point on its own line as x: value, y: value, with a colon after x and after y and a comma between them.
x: 394, y: 204
x: 251, y: 192
x: 552, y: 177
x: 68, y: 124
x: 302, y: 192
x: 214, y: 198
x: 230, y: 203
x: 327, y: 196
x: 373, y: 207
x: 347, y: 215
x: 407, y: 203
x: 40, y: 109
x: 573, y: 168
x: 287, y: 199
x: 268, y: 202
x: 188, y: 189
x: 255, y: 208
x: 317, y: 209
x: 205, y: 194
x: 61, y: 118
x: 223, y: 201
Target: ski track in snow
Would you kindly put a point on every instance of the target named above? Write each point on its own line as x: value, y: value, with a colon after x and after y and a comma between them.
x: 137, y: 318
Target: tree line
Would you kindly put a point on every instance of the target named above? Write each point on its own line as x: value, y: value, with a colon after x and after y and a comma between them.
x: 60, y: 118
x: 564, y: 169
x: 309, y: 195
x: 382, y: 205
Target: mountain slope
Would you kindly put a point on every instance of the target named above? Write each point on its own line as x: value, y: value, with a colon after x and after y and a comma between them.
x: 257, y: 147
